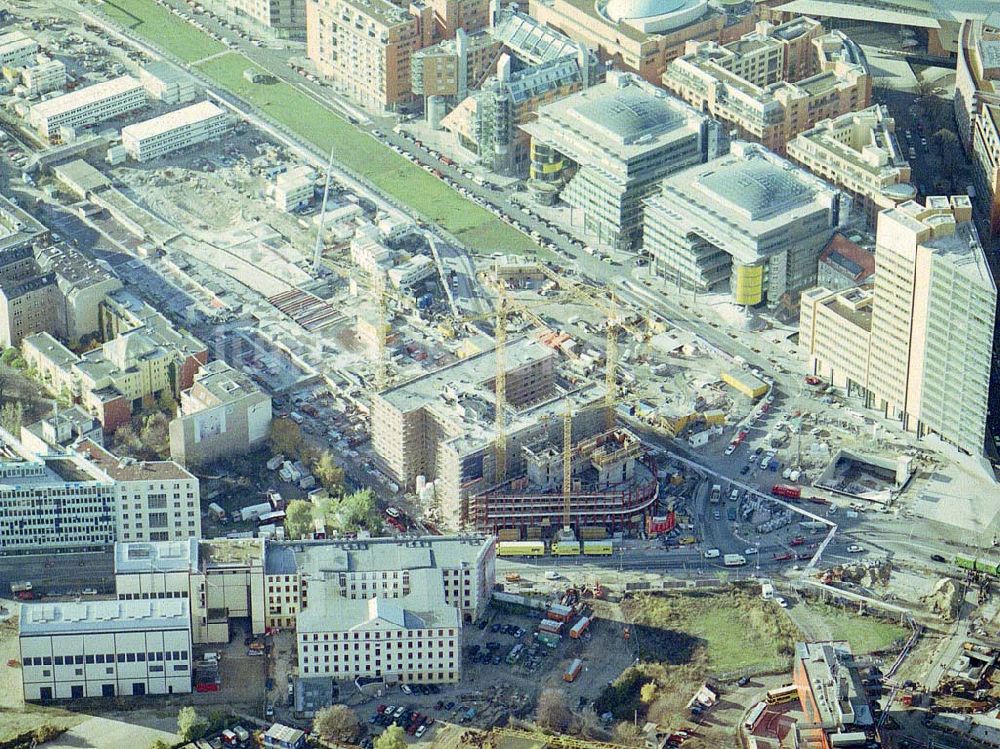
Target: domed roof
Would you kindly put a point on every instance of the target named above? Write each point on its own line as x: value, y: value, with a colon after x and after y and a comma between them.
x: 757, y: 188
x: 620, y: 10
x: 630, y: 113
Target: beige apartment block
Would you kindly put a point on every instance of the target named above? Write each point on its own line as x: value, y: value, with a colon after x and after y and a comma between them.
x: 281, y: 18
x: 859, y: 153
x: 931, y: 320
x: 365, y: 46
x: 775, y: 82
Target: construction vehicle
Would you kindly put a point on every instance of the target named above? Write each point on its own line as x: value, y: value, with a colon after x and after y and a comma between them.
x: 512, y: 577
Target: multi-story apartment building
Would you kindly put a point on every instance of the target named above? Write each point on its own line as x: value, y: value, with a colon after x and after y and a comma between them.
x: 56, y: 432
x: 222, y: 414
x: 17, y: 50
x: 642, y: 36
x: 284, y: 19
x: 927, y: 333
x: 157, y: 500
x: 52, y: 289
x: 17, y: 228
x: 83, y: 287
x: 43, y: 75
x: 104, y: 649
x: 185, y: 127
x: 748, y: 84
x: 608, y: 147
x: 28, y: 305
x: 858, y: 153
x: 88, y: 106
x: 87, y: 498
x: 365, y: 46
x: 748, y: 217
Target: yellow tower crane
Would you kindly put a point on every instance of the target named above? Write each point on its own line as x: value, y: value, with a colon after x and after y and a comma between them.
x: 567, y: 486
x: 500, y: 382
x: 381, y: 333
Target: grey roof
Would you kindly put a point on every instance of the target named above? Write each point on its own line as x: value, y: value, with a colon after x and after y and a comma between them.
x: 317, y: 558
x: 104, y: 616
x: 628, y: 114
x: 156, y: 556
x: 758, y: 188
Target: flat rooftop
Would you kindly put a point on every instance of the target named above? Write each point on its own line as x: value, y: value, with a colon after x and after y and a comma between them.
x: 165, y: 123
x: 217, y: 382
x: 130, y: 469
x: 318, y: 558
x: 86, y: 96
x: 231, y: 552
x: 91, y: 617
x: 17, y: 227
x: 156, y: 556
x: 473, y: 372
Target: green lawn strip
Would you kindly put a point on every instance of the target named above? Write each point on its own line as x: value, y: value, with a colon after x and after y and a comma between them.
x: 162, y: 27
x: 866, y: 634
x: 393, y: 174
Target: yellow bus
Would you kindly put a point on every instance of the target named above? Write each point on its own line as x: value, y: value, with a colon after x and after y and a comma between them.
x: 598, y: 548
x: 520, y: 549
x: 782, y: 695
x: 565, y: 548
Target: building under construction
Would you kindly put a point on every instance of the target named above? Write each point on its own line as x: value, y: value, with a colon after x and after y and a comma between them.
x: 443, y: 426
x: 612, y: 484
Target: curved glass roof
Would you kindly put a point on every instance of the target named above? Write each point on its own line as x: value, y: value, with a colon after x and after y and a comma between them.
x: 623, y: 9
x: 629, y: 114
x: 757, y: 188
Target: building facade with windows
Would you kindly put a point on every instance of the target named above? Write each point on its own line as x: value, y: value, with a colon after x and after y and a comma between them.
x: 88, y: 106
x: 606, y: 148
x: 104, y: 649
x: 185, y: 127
x: 927, y: 332
x: 775, y: 82
x: 748, y: 217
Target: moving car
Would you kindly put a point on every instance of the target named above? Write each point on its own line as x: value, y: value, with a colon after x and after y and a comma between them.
x: 854, y: 549
x: 781, y: 601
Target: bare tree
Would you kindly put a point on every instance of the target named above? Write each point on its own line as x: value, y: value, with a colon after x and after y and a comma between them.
x: 337, y: 723
x: 553, y: 712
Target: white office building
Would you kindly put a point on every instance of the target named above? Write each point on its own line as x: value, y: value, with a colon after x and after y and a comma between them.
x: 43, y: 76
x: 64, y: 501
x: 167, y: 83
x: 17, y: 49
x: 294, y: 188
x: 749, y: 217
x: 411, y: 637
x: 173, y: 131
x: 88, y: 106
x: 606, y: 148
x: 105, y: 649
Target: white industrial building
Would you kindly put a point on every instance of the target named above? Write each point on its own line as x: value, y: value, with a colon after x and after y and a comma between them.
x: 88, y: 106
x: 105, y: 649
x: 167, y: 83
x: 409, y: 634
x: 294, y: 188
x: 17, y: 49
x: 43, y: 76
x: 173, y: 131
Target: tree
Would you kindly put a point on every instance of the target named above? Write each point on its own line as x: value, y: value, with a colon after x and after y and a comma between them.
x: 298, y: 518
x: 392, y: 737
x: 337, y: 723
x: 159, y: 744
x: 358, y: 510
x: 166, y: 403
x: 127, y: 441
x: 155, y: 435
x: 11, y: 417
x: 648, y: 692
x: 328, y: 473
x: 553, y: 712
x: 286, y: 438
x: 190, y: 725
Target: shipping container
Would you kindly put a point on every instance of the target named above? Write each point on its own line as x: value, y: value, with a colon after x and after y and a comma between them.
x: 217, y: 512
x: 574, y: 670
x: 548, y: 639
x: 551, y: 626
x: 565, y: 548
x: 598, y: 548
x: 520, y: 549
x: 577, y: 630
x: 559, y: 613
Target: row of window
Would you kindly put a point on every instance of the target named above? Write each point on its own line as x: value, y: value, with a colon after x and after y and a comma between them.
x: 69, y: 660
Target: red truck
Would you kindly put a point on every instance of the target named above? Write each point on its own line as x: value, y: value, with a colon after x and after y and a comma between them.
x: 797, y: 541
x: 785, y: 490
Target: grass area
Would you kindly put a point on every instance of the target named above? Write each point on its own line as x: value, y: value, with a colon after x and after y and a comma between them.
x: 310, y: 120
x: 154, y: 22
x: 726, y: 631
x: 865, y: 633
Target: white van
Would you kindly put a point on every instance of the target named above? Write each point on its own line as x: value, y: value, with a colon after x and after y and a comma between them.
x: 712, y: 553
